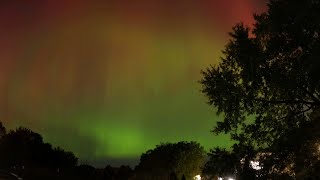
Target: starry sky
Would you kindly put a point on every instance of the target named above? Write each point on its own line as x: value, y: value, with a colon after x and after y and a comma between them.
x: 111, y: 79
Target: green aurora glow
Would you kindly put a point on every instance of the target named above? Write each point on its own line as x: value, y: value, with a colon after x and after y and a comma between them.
x: 113, y: 82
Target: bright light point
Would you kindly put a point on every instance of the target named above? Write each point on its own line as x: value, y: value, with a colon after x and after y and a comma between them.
x: 197, y: 177
x: 230, y: 179
x: 220, y: 178
x: 255, y: 165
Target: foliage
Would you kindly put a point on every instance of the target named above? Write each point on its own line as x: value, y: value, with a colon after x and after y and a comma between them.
x: 226, y: 163
x: 182, y: 158
x: 2, y: 130
x: 298, y: 151
x: 108, y: 172
x: 124, y: 172
x: 221, y: 162
x: 63, y: 159
x: 270, y: 74
x: 24, y: 148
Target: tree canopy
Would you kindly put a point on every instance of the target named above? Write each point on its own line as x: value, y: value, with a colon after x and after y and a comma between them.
x: 24, y: 148
x: 267, y: 82
x: 173, y: 159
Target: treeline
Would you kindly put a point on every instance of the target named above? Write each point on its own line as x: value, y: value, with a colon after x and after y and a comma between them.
x: 22, y: 148
x: 24, y: 153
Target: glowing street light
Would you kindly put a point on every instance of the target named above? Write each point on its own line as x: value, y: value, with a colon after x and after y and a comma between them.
x: 255, y: 165
x: 197, y: 177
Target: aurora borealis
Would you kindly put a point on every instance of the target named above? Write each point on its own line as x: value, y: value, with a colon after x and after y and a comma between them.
x: 111, y: 79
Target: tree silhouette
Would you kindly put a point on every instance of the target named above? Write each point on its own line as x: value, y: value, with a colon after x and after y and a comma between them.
x: 183, y: 177
x: 221, y: 162
x: 173, y: 158
x: 268, y: 79
x: 124, y: 173
x: 108, y: 172
x: 63, y: 159
x: 2, y: 156
x: 300, y: 149
x: 2, y: 130
x: 20, y: 147
x: 23, y: 148
x: 86, y: 172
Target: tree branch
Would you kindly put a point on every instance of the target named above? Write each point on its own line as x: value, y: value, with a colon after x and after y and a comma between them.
x: 288, y: 102
x: 317, y: 93
x: 312, y: 95
x: 296, y: 113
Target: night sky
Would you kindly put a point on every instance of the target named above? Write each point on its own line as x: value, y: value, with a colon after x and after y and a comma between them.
x: 111, y: 79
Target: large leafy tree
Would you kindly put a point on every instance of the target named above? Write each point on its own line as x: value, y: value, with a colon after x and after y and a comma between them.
x: 298, y: 151
x: 24, y: 148
x: 221, y: 163
x: 21, y: 147
x: 267, y: 81
x: 173, y: 159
